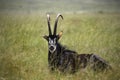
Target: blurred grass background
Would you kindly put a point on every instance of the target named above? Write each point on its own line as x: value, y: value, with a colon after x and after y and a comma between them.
x: 23, y: 51
x: 55, y: 6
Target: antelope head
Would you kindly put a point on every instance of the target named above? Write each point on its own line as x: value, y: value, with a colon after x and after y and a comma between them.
x: 53, y: 38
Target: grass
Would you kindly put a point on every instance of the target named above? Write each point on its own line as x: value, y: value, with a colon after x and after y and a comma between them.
x: 23, y: 51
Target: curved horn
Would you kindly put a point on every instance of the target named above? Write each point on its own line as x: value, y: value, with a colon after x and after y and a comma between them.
x: 49, y: 28
x: 55, y: 26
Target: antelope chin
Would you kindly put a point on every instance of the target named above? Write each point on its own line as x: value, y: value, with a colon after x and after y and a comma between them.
x: 52, y: 50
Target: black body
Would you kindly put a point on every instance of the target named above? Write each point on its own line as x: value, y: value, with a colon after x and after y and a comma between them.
x: 65, y: 60
x: 62, y: 59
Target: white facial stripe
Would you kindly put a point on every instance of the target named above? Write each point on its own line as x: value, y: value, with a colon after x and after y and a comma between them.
x: 55, y: 40
x: 52, y: 41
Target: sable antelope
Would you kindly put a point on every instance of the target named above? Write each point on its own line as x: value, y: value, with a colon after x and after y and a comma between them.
x: 64, y: 59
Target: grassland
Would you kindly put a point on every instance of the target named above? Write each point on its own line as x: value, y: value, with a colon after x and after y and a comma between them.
x: 23, y: 51
x: 53, y: 6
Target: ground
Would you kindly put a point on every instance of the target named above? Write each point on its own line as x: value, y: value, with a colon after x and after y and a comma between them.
x: 23, y: 51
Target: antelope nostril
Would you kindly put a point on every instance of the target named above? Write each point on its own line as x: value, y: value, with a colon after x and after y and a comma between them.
x: 51, y: 47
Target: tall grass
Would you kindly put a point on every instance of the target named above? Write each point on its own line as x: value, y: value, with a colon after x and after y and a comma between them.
x: 23, y: 51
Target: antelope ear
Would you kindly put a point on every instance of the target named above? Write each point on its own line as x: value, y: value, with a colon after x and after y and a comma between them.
x: 60, y: 34
x: 46, y: 37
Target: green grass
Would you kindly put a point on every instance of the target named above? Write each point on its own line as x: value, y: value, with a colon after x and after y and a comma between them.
x: 29, y: 6
x: 23, y: 51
